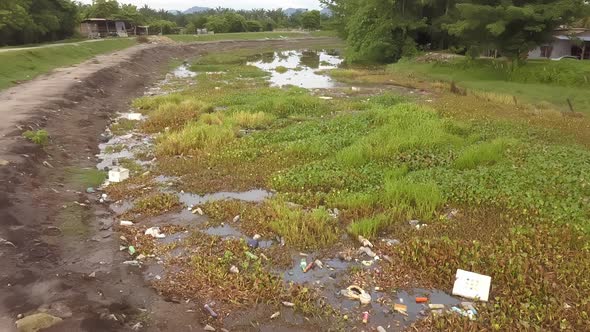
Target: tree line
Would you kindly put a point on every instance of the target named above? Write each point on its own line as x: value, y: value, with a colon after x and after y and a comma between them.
x: 386, y: 30
x: 35, y: 21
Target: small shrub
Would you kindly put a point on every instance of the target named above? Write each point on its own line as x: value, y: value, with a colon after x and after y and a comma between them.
x: 195, y: 137
x: 258, y: 120
x: 156, y: 204
x: 39, y: 137
x: 482, y: 154
x: 142, y: 39
x: 281, y: 69
x: 411, y: 199
x: 174, y: 115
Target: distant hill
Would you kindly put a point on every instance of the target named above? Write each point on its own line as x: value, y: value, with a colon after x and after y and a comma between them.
x: 175, y: 12
x: 291, y: 11
x: 196, y: 9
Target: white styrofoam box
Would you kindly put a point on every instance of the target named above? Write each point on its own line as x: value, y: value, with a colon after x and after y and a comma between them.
x: 472, y: 285
x: 118, y: 174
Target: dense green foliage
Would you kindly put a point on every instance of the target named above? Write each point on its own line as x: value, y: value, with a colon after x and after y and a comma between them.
x: 386, y: 30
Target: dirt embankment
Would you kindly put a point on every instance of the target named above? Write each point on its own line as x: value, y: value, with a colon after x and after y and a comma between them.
x: 79, y: 277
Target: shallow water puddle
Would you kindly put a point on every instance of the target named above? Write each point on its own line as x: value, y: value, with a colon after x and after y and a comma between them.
x: 229, y: 232
x: 183, y: 71
x: 301, y: 68
x: 328, y: 273
x: 255, y: 195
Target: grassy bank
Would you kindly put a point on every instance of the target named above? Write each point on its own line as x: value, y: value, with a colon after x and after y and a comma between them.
x: 236, y: 36
x: 536, y: 82
x: 22, y: 65
x: 500, y: 195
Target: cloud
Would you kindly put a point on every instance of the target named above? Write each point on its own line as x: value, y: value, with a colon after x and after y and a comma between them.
x: 236, y: 4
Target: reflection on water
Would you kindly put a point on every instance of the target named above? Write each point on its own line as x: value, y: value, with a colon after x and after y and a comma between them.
x: 301, y: 67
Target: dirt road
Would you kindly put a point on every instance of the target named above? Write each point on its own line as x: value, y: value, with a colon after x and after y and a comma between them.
x: 79, y: 277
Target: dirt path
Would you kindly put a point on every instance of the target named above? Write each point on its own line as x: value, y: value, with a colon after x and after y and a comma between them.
x: 10, y: 49
x: 79, y: 277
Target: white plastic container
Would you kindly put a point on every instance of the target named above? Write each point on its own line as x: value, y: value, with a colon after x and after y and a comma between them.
x: 472, y: 285
x: 118, y: 174
x: 134, y: 116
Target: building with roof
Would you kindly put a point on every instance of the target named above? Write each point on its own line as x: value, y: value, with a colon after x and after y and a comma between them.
x: 565, y: 43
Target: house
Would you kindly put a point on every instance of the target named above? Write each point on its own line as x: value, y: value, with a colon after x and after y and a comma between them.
x: 566, y: 42
x: 102, y: 27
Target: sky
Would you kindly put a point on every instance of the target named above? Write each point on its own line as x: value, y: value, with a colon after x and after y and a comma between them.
x: 183, y: 5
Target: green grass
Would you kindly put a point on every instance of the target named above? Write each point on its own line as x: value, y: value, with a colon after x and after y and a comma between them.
x: 369, y: 227
x: 482, y: 154
x: 86, y: 177
x: 22, y: 65
x: 196, y: 137
x: 173, y: 115
x: 534, y: 82
x: 235, y: 36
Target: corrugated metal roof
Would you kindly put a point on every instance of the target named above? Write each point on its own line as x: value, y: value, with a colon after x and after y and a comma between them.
x: 584, y: 38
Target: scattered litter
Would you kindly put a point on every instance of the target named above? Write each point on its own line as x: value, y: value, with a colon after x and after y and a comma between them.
x: 233, y: 269
x: 472, y: 285
x: 467, y: 313
x: 367, y: 263
x: 566, y: 306
x: 198, y: 211
x: 303, y: 264
x: 436, y: 306
x: 308, y: 267
x: 381, y: 329
x: 155, y: 233
x: 288, y: 304
x: 367, y: 251
x: 92, y: 275
x: 253, y: 243
x: 326, y: 98
x: 354, y: 292
x: 365, y: 242
x: 140, y: 257
x: 391, y: 242
x: 209, y: 328
x: 263, y: 256
x: 302, y: 254
x: 118, y: 174
x: 132, y: 263
x: 126, y: 223
x: 452, y: 214
x: 4, y: 162
x: 90, y: 190
x: 256, y: 237
x: 237, y: 218
x: 354, y: 88
x: 134, y: 116
x: 401, y: 308
x: 275, y: 315
x: 251, y: 255
x: 131, y: 250
x: 421, y: 299
x: 47, y: 164
x: 318, y: 263
x: 210, y: 310
x: 365, y: 317
x: 137, y: 326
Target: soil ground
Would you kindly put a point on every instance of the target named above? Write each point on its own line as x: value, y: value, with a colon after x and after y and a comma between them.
x: 78, y: 277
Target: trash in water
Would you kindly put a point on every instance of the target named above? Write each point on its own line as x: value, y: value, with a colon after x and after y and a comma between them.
x: 6, y: 242
x: 288, y: 304
x: 90, y: 190
x: 318, y: 263
x: 233, y: 269
x: 401, y: 308
x: 198, y: 210
x: 118, y: 174
x: 126, y: 223
x: 421, y: 299
x: 210, y: 310
x: 354, y: 292
x: 435, y: 306
x: 365, y: 242
x: 131, y: 250
x: 275, y: 315
x: 367, y: 263
x: 381, y: 329
x: 367, y: 251
x: 252, y: 243
x: 256, y: 237
x: 236, y: 218
x: 303, y: 264
x: 472, y: 285
x: 365, y: 317
x: 467, y: 313
x: 154, y: 232
x: 209, y: 328
x: 308, y: 267
x: 134, y: 116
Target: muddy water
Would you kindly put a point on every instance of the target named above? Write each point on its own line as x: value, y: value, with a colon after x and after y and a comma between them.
x: 302, y: 68
x: 255, y: 195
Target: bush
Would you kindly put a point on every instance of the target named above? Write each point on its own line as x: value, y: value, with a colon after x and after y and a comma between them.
x: 39, y: 137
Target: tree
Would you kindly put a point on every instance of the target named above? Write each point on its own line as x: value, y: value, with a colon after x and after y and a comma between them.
x: 235, y: 22
x: 104, y: 9
x: 217, y: 23
x: 162, y: 26
x: 311, y: 20
x: 253, y: 26
x: 512, y: 27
